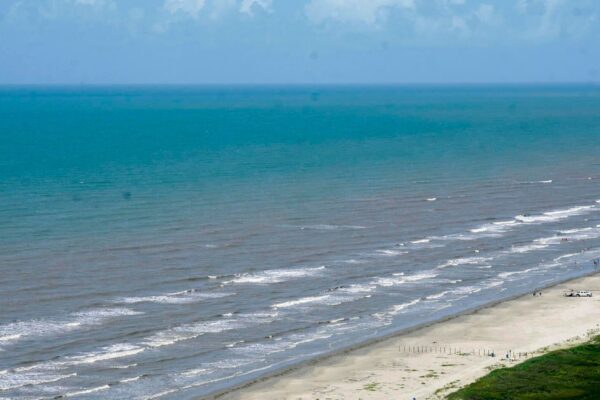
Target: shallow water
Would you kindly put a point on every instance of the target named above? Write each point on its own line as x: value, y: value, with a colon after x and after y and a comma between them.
x: 170, y: 242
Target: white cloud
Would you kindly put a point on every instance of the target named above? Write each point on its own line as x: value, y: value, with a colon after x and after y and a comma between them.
x: 94, y: 3
x: 191, y: 7
x: 485, y: 13
x: 368, y: 12
x: 415, y: 22
x: 247, y: 6
x: 459, y: 24
x: 544, y: 20
x: 479, y: 21
x: 551, y: 21
x: 213, y: 8
x: 57, y: 10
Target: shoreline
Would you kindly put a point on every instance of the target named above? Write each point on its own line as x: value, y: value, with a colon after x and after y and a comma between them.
x: 261, y: 386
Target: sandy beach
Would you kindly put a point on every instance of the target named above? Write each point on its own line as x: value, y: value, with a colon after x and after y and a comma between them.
x: 430, y: 362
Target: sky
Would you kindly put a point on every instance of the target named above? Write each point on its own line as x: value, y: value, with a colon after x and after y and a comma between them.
x: 299, y: 41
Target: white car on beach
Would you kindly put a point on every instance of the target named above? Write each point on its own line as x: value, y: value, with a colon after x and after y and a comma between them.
x: 579, y: 293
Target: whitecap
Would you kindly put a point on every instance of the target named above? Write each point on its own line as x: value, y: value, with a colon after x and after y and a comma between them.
x: 493, y: 284
x: 197, y: 329
x: 511, y: 273
x: 571, y: 255
x: 400, y: 278
x: 105, y: 353
x: 259, y: 350
x: 461, y: 236
x: 184, y: 297
x: 16, y: 331
x: 390, y: 253
x: 358, y: 288
x: 336, y: 296
x: 133, y: 365
x: 233, y: 344
x: 354, y: 261
x: 87, y: 391
x: 431, y: 199
x: 495, y: 227
x: 16, y: 380
x: 324, y: 299
x: 127, y: 380
x: 228, y: 363
x: 556, y: 215
x: 395, y: 310
x: 437, y: 295
x: 466, y: 290
x: 581, y: 234
x: 527, y: 248
x: 534, y: 182
x: 465, y: 261
x: 168, y: 338
x: 9, y: 338
x: 276, y: 275
x: 400, y: 307
x: 575, y: 230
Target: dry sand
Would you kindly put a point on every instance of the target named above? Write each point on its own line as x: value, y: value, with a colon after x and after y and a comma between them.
x: 389, y: 370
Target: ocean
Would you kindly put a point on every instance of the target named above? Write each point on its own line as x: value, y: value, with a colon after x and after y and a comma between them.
x: 172, y: 242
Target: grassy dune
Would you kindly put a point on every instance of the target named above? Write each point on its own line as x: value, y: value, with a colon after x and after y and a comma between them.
x: 572, y: 373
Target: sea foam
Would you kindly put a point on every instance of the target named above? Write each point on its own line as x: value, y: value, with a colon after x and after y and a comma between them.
x: 184, y: 297
x: 556, y: 215
x: 276, y: 275
x: 16, y: 331
x: 465, y: 261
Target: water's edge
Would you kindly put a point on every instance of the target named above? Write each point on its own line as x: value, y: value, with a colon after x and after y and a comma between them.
x: 370, y: 342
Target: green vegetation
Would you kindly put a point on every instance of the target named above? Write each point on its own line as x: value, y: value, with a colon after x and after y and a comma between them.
x: 451, y: 385
x: 430, y: 374
x: 559, y: 375
x: 371, y: 387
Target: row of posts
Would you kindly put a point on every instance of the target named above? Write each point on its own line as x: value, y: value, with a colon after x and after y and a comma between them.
x: 457, y: 350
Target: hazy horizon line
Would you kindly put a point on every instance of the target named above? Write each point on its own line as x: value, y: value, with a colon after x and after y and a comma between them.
x: 303, y: 84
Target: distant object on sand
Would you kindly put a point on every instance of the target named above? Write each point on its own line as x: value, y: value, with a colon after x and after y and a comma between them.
x: 578, y: 293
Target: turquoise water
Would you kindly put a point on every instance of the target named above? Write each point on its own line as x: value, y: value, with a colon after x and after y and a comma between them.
x: 176, y: 241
